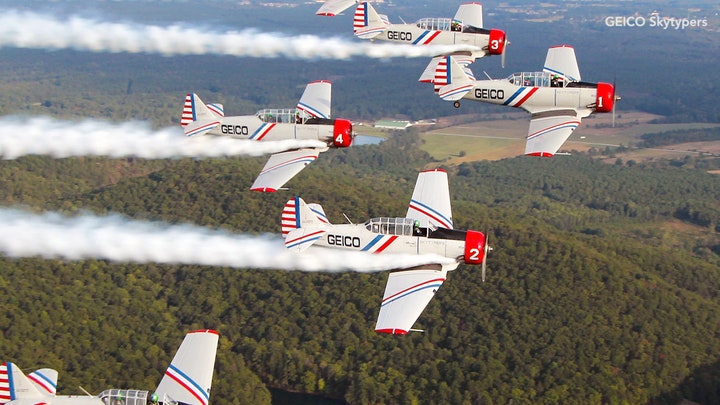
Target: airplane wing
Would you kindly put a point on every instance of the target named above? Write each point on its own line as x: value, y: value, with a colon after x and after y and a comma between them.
x: 549, y: 130
x: 430, y: 202
x: 561, y: 60
x: 331, y: 8
x: 315, y: 101
x: 283, y: 166
x: 470, y: 14
x: 407, y: 293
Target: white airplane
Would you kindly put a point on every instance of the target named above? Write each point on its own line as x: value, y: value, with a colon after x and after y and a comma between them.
x: 466, y: 28
x: 187, y: 380
x: 309, y: 120
x: 556, y: 97
x: 426, y: 229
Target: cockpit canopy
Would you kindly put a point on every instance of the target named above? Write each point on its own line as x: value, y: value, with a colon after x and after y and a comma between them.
x: 282, y: 115
x: 537, y: 79
x: 440, y: 24
x: 125, y: 397
x: 390, y: 226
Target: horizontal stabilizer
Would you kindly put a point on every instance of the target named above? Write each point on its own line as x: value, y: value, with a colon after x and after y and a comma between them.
x: 297, y: 214
x: 367, y: 23
x: 283, y: 166
x: 451, y: 80
x: 15, y: 385
x: 200, y: 127
x: 464, y: 59
x: 549, y: 130
x: 302, y: 238
x: 407, y: 293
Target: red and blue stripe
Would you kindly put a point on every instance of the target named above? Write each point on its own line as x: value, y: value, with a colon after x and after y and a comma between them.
x: 309, y: 238
x: 43, y: 381
x: 302, y: 159
x: 428, y: 211
x: 263, y: 130
x: 426, y: 37
x: 434, y: 283
x: 203, y: 128
x: 388, y: 241
x: 567, y: 124
x: 188, y: 383
x: 523, y: 93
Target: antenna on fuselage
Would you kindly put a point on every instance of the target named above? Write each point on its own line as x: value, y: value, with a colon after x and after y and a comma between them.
x: 83, y: 390
x: 348, y: 219
x: 487, y: 75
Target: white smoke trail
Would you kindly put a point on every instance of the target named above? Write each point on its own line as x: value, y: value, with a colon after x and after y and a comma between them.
x: 22, y: 29
x: 21, y: 136
x: 116, y: 238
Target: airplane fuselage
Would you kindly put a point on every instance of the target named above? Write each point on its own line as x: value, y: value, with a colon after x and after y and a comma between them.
x: 533, y: 97
x: 253, y: 128
x: 358, y: 237
x: 414, y: 35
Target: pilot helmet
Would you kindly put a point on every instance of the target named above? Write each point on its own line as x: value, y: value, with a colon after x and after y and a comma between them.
x: 417, y: 223
x: 154, y: 397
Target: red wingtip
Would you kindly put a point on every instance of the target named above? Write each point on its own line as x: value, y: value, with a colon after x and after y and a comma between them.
x: 392, y: 331
x: 264, y: 189
x: 540, y: 154
x: 205, y: 331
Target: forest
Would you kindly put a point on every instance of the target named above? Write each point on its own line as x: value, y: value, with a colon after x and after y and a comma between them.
x: 595, y: 293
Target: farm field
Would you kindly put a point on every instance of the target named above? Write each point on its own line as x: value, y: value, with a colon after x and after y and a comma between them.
x: 505, y: 137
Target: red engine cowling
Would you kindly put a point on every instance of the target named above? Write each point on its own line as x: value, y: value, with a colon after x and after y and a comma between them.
x: 496, y: 44
x: 474, y: 247
x: 605, y: 97
x: 342, y: 134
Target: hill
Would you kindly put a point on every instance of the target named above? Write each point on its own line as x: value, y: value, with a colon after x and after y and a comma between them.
x: 595, y: 291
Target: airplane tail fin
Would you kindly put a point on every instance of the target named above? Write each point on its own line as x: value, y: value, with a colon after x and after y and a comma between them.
x: 189, y: 376
x: 367, y: 23
x: 452, y: 81
x: 45, y: 380
x: 561, y: 60
x: 298, y: 214
x: 15, y: 385
x: 302, y: 224
x: 316, y: 100
x: 470, y: 14
x: 198, y: 118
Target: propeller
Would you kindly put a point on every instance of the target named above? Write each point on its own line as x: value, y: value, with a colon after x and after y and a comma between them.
x: 484, y: 263
x: 502, y: 57
x: 615, y: 99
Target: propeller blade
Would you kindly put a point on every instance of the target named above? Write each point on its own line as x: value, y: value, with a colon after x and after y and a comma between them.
x: 502, y: 57
x: 484, y: 265
x: 614, y: 100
